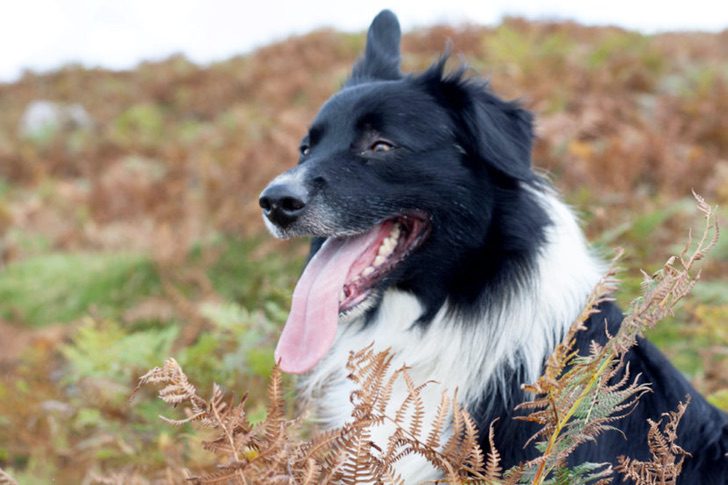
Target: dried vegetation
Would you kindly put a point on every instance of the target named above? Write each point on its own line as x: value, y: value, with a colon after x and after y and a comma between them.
x: 135, y: 237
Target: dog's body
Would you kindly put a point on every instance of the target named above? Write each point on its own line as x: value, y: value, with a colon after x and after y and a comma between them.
x: 434, y: 238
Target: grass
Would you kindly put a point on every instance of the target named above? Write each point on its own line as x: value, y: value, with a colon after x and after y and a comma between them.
x: 270, y: 278
x: 61, y: 287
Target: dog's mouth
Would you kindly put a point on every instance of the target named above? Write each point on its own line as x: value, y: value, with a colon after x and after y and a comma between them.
x: 396, y: 239
x: 342, y: 276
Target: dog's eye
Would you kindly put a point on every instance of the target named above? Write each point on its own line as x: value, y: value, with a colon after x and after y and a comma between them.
x: 381, y: 146
x: 304, y: 149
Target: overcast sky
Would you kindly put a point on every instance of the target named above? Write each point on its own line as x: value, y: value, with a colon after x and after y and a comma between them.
x: 44, y: 34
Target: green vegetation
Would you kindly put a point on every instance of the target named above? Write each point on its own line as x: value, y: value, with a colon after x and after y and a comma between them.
x: 139, y: 238
x: 59, y: 287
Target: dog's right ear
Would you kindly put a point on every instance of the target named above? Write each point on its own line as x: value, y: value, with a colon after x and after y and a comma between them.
x: 381, y: 58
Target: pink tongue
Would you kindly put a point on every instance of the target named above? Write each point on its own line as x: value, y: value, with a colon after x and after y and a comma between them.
x: 311, y: 327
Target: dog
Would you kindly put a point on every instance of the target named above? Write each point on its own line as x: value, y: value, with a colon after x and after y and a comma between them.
x: 434, y: 237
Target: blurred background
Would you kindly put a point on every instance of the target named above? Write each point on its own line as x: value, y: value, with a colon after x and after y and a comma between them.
x: 135, y: 137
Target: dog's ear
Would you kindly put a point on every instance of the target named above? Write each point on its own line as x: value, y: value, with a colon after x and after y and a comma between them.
x: 502, y: 134
x: 381, y: 57
x: 491, y: 130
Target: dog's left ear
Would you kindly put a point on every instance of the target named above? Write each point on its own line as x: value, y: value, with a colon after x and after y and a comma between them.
x: 381, y: 57
x: 495, y: 132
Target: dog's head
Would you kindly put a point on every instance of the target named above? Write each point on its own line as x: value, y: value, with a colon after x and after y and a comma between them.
x: 398, y: 180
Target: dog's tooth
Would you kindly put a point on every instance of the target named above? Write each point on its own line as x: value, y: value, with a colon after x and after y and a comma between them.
x: 386, y: 248
x: 342, y: 295
x: 367, y: 271
x: 379, y: 260
x: 382, y: 247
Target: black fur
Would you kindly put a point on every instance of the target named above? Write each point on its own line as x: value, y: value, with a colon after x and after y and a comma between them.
x: 485, y: 228
x: 703, y: 430
x: 462, y: 157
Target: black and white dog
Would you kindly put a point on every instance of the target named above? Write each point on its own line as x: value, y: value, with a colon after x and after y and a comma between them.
x: 433, y: 237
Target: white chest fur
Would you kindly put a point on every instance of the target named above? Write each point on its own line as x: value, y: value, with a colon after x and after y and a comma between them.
x: 469, y: 356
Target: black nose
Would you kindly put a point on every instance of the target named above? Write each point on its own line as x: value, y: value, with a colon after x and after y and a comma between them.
x: 283, y: 203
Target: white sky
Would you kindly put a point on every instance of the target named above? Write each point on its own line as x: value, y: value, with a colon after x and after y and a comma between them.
x: 44, y: 34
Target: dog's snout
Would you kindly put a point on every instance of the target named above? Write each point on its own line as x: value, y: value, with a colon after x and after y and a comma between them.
x: 283, y: 203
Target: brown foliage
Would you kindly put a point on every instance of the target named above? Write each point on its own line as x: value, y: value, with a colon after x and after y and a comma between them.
x: 272, y: 451
x: 579, y: 397
x: 667, y: 456
x: 634, y: 118
x: 175, y: 144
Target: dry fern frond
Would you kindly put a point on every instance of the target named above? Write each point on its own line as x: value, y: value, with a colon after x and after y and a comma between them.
x: 414, y: 399
x: 575, y: 401
x: 241, y: 444
x: 433, y: 436
x: 664, y: 290
x: 269, y: 453
x: 667, y: 456
x: 460, y: 456
x: 177, y: 389
x: 493, y: 470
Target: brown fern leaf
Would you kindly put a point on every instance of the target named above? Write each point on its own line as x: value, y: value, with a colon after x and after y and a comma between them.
x: 474, y: 458
x: 322, y: 444
x: 358, y: 466
x: 392, y: 478
x: 575, y: 401
x: 434, y: 436
x: 311, y: 473
x: 258, y: 453
x: 385, y: 395
x: 265, y: 453
x: 240, y: 428
x: 274, y: 421
x: 356, y: 359
x: 398, y: 448
x: 664, y: 290
x: 364, y: 365
x: 667, y: 456
x: 453, y: 443
x: 461, y: 458
x: 177, y: 386
x: 414, y: 398
x: 368, y: 369
x: 493, y: 471
x: 341, y: 453
x: 217, y: 410
x: 553, y: 394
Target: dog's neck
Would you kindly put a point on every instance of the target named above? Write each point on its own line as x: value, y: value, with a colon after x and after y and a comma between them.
x: 472, y: 356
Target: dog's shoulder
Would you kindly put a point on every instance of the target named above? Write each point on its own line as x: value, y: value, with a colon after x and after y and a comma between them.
x: 702, y: 432
x: 703, y: 429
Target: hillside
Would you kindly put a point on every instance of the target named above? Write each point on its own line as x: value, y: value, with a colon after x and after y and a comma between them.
x: 129, y: 231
